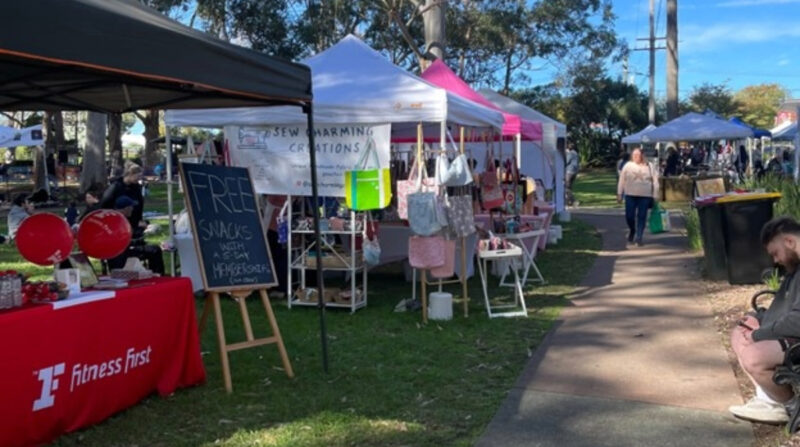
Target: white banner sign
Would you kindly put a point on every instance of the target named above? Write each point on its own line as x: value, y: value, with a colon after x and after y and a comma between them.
x: 278, y: 155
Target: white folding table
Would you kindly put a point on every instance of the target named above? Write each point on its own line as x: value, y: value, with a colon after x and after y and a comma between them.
x: 518, y: 308
x: 529, y: 243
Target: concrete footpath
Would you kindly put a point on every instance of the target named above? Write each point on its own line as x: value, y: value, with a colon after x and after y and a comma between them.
x: 634, y: 360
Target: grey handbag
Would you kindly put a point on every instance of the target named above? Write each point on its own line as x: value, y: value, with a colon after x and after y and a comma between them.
x: 459, y: 212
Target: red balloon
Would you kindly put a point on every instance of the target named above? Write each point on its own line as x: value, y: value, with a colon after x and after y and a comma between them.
x: 104, y: 234
x: 44, y: 239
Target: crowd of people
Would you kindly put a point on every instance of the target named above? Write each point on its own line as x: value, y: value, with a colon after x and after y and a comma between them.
x: 124, y: 194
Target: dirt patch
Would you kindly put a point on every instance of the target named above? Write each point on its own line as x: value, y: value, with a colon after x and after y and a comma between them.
x: 729, y: 303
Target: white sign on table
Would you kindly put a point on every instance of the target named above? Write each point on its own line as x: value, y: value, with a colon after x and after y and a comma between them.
x: 278, y: 155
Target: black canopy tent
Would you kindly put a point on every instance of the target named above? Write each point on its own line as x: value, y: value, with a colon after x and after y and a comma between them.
x: 119, y: 56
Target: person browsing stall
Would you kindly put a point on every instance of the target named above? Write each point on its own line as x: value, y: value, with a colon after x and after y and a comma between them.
x: 758, y: 340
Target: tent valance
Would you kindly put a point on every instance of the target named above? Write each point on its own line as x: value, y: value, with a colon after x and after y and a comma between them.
x: 696, y: 127
x: 118, y: 56
x: 355, y: 84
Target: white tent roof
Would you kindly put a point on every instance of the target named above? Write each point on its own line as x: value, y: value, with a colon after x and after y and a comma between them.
x: 696, y: 127
x: 352, y: 83
x: 29, y: 136
x: 785, y: 131
x: 511, y: 106
x: 636, y: 138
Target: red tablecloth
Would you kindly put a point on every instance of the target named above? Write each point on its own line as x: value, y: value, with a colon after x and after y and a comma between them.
x: 64, y: 369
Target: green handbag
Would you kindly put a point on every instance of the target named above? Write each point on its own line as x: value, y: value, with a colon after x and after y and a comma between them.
x: 368, y: 189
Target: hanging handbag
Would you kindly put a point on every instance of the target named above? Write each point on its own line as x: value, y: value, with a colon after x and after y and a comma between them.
x: 460, y: 215
x: 408, y: 186
x: 371, y: 247
x: 283, y: 224
x: 491, y: 193
x: 447, y: 269
x: 422, y: 209
x: 426, y: 252
x: 513, y: 188
x: 368, y: 188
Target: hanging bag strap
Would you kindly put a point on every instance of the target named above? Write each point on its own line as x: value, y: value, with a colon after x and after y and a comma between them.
x: 370, y: 152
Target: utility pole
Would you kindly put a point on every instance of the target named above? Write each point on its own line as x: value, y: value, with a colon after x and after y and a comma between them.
x: 672, y: 59
x: 625, y: 70
x: 651, y: 47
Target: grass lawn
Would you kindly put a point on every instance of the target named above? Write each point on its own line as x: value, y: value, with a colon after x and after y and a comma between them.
x: 596, y: 189
x: 393, y: 381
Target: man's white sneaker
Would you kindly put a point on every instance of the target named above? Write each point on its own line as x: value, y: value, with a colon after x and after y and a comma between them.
x: 758, y: 410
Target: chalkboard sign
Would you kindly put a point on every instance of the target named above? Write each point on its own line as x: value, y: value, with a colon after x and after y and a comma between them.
x: 226, y: 222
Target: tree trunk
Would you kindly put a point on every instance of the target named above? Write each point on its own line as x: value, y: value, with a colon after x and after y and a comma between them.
x: 115, y: 143
x: 433, y: 19
x: 53, y: 126
x: 151, y: 157
x: 94, y: 154
x: 507, y: 83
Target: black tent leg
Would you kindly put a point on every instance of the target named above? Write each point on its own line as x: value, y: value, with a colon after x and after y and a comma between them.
x: 312, y: 154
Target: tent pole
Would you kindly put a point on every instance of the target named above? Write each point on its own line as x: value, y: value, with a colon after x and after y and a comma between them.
x: 796, y: 148
x: 308, y: 109
x: 170, y: 209
x: 518, y: 149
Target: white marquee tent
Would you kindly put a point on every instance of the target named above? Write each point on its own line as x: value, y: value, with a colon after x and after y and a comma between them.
x: 786, y: 131
x: 29, y: 136
x: 352, y: 83
x: 552, y: 130
x: 697, y: 127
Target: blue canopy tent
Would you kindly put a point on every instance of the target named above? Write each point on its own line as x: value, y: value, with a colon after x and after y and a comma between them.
x: 757, y: 133
x: 636, y: 138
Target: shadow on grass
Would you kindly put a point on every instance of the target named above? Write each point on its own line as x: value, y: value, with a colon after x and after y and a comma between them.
x: 393, y: 381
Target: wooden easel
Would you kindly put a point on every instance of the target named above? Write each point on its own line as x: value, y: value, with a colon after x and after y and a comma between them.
x: 212, y: 299
x: 216, y: 250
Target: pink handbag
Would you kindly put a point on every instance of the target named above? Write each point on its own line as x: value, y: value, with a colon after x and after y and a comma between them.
x: 411, y: 185
x: 448, y: 268
x: 426, y: 252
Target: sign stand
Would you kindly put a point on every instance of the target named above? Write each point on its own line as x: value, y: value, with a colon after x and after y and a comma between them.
x: 213, y: 300
x: 232, y: 251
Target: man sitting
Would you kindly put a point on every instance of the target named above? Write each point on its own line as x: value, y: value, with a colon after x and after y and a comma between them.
x: 21, y: 208
x: 758, y: 340
x: 138, y: 247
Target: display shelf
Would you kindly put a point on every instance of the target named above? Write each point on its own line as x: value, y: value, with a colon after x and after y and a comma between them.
x: 348, y: 260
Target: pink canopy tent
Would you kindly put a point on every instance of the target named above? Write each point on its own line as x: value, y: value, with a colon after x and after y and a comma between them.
x: 441, y: 75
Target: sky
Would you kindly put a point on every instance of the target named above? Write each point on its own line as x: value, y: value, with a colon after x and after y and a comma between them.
x: 738, y: 42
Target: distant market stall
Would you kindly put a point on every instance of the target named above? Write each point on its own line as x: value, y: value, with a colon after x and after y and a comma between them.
x: 554, y: 134
x: 697, y: 127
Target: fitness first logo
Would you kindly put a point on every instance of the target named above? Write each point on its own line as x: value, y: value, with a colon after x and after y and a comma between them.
x: 82, y: 374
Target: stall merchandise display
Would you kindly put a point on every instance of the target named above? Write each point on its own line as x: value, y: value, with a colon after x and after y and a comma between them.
x: 357, y: 238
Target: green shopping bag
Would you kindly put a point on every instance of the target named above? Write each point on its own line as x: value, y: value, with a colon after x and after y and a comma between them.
x: 368, y: 189
x: 656, y: 222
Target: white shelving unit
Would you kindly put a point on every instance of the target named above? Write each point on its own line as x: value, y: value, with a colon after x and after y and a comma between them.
x: 303, y: 258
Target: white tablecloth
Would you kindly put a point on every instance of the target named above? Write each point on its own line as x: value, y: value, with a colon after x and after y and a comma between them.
x: 190, y: 267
